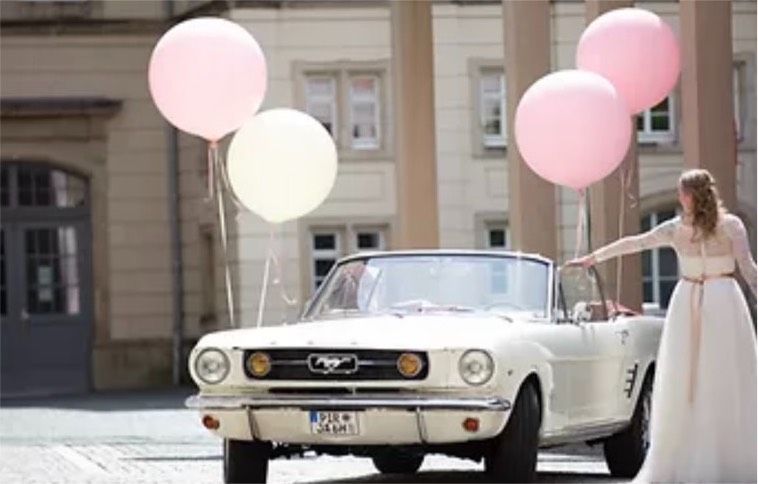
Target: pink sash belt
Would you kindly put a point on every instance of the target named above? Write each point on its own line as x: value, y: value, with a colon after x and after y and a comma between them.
x: 696, y: 305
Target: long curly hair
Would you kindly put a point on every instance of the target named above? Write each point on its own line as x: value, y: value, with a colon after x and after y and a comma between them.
x: 706, y: 202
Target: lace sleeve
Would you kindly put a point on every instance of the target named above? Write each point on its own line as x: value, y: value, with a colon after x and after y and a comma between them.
x: 741, y: 250
x: 659, y: 236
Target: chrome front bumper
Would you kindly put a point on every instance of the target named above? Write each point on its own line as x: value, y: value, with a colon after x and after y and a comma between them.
x: 349, y: 402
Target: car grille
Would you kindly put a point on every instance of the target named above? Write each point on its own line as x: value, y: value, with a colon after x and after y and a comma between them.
x: 308, y: 364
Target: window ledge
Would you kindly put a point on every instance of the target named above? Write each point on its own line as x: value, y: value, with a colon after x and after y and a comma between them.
x: 490, y: 153
x: 364, y: 155
x: 662, y: 147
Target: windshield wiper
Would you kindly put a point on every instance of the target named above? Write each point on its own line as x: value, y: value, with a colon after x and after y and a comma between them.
x: 420, y: 306
x: 455, y: 309
x: 502, y: 316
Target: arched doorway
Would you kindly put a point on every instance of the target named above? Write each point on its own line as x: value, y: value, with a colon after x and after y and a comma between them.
x: 45, y: 280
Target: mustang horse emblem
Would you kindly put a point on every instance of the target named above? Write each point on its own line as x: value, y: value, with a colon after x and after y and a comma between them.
x: 331, y: 364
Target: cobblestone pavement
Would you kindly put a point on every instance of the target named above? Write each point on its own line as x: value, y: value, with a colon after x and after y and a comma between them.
x: 150, y: 437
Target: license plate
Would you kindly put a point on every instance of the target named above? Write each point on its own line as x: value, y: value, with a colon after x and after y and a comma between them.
x: 334, y: 423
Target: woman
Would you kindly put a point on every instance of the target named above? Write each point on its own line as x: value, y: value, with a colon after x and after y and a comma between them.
x: 703, y: 420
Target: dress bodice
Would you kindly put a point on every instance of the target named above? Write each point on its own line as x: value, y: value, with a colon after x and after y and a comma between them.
x: 694, y: 267
x: 721, y: 253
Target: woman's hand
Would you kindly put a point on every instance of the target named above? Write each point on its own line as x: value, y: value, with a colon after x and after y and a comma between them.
x: 587, y: 261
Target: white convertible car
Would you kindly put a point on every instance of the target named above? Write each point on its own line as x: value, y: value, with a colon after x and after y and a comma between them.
x: 482, y: 355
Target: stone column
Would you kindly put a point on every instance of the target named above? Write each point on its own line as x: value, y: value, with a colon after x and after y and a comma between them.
x: 707, y: 106
x: 606, y: 204
x: 415, y: 168
x: 531, y: 200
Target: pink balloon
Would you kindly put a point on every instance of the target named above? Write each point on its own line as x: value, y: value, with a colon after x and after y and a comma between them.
x: 572, y: 128
x: 207, y: 76
x: 634, y: 49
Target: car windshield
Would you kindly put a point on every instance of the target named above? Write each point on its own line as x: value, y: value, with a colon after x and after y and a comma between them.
x: 504, y: 285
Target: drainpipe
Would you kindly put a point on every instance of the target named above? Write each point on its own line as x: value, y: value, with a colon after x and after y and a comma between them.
x: 177, y: 269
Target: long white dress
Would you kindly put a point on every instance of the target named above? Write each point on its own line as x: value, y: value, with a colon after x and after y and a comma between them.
x: 703, y: 416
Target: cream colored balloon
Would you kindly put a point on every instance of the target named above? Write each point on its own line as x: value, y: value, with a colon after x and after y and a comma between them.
x: 282, y: 164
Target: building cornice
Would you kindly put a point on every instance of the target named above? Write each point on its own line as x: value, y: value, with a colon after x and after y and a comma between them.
x: 47, y: 107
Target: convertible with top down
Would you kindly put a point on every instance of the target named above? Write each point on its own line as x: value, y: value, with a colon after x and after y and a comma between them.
x: 482, y: 355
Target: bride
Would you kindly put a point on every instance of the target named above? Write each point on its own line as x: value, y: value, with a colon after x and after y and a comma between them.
x: 703, y: 421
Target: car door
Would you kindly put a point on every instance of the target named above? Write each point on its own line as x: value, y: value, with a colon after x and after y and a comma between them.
x: 572, y: 354
x: 595, y: 373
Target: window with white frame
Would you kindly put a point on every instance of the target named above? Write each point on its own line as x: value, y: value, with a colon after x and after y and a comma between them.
x: 364, y: 112
x: 348, y: 104
x: 492, y: 108
x: 738, y: 71
x: 327, y: 247
x: 321, y: 101
x: 325, y: 251
x: 660, y: 270
x: 497, y: 236
x: 656, y: 125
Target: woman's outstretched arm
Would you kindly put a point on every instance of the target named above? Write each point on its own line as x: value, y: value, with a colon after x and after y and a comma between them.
x: 659, y: 236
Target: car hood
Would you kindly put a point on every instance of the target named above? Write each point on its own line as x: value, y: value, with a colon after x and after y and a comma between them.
x: 425, y: 331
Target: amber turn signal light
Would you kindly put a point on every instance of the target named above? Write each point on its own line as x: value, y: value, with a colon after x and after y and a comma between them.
x: 409, y: 365
x: 259, y: 364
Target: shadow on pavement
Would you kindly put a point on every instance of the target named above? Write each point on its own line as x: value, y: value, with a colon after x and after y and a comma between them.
x: 173, y: 458
x: 164, y: 399
x: 463, y: 477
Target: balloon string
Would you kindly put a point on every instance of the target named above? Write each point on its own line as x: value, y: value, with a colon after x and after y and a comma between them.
x: 627, y: 175
x: 210, y: 191
x: 279, y: 278
x: 233, y: 196
x: 264, y: 283
x: 272, y: 258
x: 216, y: 163
x: 622, y: 215
x: 580, y: 220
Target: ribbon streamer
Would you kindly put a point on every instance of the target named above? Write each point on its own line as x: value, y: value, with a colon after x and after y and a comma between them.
x: 279, y: 278
x: 216, y: 182
x: 219, y: 179
x: 272, y: 258
x: 696, y: 308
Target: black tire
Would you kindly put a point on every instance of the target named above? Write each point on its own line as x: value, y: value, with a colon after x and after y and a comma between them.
x: 246, y: 461
x: 513, y: 454
x: 625, y: 452
x: 397, y: 462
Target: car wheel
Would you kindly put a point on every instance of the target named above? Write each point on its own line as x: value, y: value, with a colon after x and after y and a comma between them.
x: 397, y: 462
x: 513, y: 454
x: 246, y: 461
x: 625, y: 452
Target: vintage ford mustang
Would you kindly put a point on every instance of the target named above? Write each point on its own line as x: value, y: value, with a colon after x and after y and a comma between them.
x: 483, y: 355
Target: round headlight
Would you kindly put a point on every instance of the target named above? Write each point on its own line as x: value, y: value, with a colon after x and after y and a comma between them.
x: 259, y: 364
x: 476, y: 367
x: 211, y: 365
x: 409, y: 365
